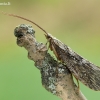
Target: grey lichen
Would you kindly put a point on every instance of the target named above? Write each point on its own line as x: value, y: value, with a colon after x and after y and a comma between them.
x: 48, y: 73
x: 20, y: 29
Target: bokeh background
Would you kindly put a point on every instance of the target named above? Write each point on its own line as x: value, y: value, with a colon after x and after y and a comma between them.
x: 75, y: 22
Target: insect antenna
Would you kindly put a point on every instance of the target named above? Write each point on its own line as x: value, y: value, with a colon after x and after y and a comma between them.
x: 24, y: 19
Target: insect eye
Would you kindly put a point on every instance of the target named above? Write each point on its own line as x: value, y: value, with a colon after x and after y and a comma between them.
x: 48, y: 36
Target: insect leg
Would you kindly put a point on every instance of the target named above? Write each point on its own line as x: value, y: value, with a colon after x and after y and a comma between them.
x: 48, y: 41
x: 57, y: 56
x: 77, y: 83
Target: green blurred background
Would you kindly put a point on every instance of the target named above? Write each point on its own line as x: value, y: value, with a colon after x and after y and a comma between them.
x: 75, y: 22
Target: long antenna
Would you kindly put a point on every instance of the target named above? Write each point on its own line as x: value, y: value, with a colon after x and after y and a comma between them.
x: 24, y: 19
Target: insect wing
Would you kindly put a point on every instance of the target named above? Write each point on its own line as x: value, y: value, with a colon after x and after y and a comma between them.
x: 85, y: 71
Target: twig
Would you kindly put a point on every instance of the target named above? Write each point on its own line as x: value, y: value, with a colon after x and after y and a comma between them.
x: 62, y: 85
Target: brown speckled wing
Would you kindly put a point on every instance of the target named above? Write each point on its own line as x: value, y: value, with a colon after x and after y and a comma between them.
x: 83, y: 70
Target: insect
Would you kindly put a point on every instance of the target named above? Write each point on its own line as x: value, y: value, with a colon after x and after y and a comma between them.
x: 82, y: 69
